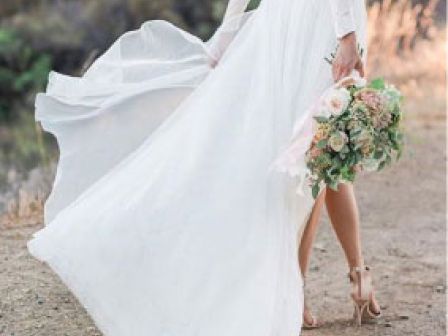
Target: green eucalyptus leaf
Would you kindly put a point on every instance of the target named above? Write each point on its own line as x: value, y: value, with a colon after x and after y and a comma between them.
x: 378, y: 84
x: 315, y: 190
x: 321, y: 119
x: 322, y: 144
x: 378, y: 155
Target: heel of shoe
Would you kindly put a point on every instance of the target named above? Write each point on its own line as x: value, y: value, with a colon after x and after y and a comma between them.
x: 359, y: 312
x: 312, y: 323
x: 362, y: 295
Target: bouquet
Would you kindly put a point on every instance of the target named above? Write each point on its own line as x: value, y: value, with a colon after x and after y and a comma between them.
x: 357, y: 127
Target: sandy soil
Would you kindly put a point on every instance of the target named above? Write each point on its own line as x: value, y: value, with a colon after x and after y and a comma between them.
x: 403, y: 223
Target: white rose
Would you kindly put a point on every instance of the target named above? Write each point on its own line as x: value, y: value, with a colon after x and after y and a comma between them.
x: 337, y: 101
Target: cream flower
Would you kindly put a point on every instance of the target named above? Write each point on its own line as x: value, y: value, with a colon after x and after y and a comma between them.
x: 354, y: 79
x: 323, y: 131
x: 337, y: 141
x: 337, y: 101
x: 365, y: 142
x: 364, y: 138
x: 353, y: 124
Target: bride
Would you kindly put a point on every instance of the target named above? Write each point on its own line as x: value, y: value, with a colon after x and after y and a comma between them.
x: 165, y: 218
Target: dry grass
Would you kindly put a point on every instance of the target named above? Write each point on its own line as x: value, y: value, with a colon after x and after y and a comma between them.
x: 408, y: 48
x: 26, y: 209
x: 25, y: 204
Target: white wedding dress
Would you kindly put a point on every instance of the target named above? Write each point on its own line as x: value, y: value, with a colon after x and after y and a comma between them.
x: 165, y: 218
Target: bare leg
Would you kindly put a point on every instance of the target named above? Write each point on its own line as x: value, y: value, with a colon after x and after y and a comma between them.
x: 309, y: 234
x: 305, y: 248
x: 343, y: 211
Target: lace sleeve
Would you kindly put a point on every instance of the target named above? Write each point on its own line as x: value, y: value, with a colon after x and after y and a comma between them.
x: 343, y: 16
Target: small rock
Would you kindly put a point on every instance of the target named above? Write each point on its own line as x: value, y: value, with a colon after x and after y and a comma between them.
x: 388, y: 324
x: 440, y: 289
x: 320, y: 247
x: 40, y: 301
x: 314, y: 268
x: 403, y: 317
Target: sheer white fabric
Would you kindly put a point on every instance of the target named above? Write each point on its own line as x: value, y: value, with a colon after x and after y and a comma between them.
x: 344, y: 16
x: 165, y: 218
x: 226, y: 33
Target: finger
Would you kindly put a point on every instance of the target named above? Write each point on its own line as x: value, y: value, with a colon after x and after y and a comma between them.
x: 360, y: 68
x: 337, y: 77
x: 213, y: 63
x: 343, y: 72
x: 335, y: 71
x: 338, y: 72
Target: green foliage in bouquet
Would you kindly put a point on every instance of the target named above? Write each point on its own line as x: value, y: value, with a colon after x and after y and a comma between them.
x: 358, y: 128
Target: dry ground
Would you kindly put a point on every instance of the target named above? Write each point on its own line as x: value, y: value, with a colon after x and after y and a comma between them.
x: 403, y: 224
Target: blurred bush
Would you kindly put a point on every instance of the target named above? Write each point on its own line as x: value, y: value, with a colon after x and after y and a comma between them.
x: 22, y: 70
x: 407, y: 45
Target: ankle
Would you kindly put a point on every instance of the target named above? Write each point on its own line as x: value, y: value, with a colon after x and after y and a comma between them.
x: 357, y: 263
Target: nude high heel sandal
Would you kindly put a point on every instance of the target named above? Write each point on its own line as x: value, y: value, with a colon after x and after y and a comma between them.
x: 362, y: 295
x: 310, y: 322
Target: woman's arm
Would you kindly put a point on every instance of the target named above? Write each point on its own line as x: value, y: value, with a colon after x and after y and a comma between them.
x: 347, y: 56
x: 223, y: 38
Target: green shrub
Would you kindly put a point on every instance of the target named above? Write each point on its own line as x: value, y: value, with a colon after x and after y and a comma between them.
x: 23, y: 72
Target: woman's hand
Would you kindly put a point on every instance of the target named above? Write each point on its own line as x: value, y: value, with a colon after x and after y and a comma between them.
x: 347, y: 58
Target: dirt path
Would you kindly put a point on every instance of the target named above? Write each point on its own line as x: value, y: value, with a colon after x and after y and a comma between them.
x: 403, y: 215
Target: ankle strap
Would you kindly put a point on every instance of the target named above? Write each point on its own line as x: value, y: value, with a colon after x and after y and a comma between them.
x: 358, y: 270
x: 359, y: 276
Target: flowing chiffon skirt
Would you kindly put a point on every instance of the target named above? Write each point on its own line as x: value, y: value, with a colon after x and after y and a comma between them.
x: 166, y: 218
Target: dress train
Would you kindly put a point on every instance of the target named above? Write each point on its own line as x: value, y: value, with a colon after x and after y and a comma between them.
x: 166, y: 218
